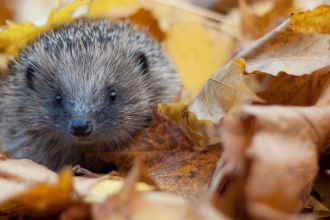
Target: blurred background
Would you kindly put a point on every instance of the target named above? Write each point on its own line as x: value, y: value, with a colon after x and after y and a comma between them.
x: 37, y: 10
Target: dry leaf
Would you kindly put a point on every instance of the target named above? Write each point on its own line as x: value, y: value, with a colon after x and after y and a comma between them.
x: 174, y: 110
x: 197, y: 139
x: 282, y: 50
x: 44, y: 199
x: 22, y: 181
x: 311, y: 22
x: 170, y: 158
x: 220, y: 93
x: 305, y: 90
x: 144, y: 18
x: 211, y: 51
x: 16, y: 36
x: 26, y: 172
x: 284, y: 148
x: 287, y: 50
x: 188, y: 122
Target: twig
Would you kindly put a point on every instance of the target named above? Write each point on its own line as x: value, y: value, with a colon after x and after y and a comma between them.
x: 79, y: 170
x: 196, y: 10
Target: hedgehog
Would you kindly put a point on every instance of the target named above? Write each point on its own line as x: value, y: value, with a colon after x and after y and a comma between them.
x: 84, y: 86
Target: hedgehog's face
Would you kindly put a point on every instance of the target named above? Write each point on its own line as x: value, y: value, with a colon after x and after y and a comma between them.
x: 88, y: 99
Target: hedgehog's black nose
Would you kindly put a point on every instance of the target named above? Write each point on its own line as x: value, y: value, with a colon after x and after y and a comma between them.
x: 81, y: 127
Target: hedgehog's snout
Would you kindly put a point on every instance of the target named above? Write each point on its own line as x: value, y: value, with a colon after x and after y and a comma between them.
x: 81, y: 127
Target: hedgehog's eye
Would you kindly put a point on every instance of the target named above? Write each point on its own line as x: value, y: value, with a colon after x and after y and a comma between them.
x: 58, y: 99
x: 142, y: 62
x: 112, y: 96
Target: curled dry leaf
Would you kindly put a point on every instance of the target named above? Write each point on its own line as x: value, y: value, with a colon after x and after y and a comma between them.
x: 174, y: 110
x: 196, y: 138
x: 44, y: 199
x: 287, y: 50
x: 170, y: 158
x: 23, y: 181
x: 192, y: 127
x: 26, y: 172
x: 285, y: 143
x: 220, y: 93
x: 282, y: 50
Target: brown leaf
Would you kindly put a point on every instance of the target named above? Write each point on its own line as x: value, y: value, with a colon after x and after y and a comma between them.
x: 145, y: 20
x: 282, y: 50
x: 232, y: 200
x: 305, y: 90
x: 170, y: 158
x: 284, y: 147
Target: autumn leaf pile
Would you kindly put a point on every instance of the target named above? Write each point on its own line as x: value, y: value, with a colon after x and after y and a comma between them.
x: 247, y: 137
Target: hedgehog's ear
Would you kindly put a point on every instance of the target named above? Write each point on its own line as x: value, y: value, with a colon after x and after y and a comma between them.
x: 142, y: 62
x: 30, y: 76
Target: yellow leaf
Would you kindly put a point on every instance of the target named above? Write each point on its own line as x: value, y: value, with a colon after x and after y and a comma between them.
x: 63, y: 15
x: 310, y: 22
x: 174, y: 111
x: 16, y: 36
x: 198, y: 53
x: 101, y: 7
